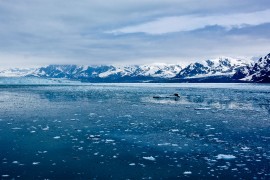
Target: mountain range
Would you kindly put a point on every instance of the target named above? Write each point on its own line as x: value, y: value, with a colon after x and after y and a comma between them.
x: 224, y: 69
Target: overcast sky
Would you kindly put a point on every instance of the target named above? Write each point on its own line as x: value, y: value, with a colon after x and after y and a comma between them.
x: 34, y: 32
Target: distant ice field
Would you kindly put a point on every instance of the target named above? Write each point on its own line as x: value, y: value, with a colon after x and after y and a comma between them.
x: 70, y: 130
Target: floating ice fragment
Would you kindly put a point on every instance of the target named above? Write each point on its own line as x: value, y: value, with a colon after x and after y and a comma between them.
x: 240, y: 165
x: 16, y: 128
x: 245, y: 148
x: 202, y: 108
x: 164, y: 144
x: 109, y: 140
x: 187, y: 172
x: 94, y: 137
x: 92, y: 114
x: 226, y: 157
x: 223, y: 167
x: 142, y: 165
x: 150, y: 158
x: 46, y: 128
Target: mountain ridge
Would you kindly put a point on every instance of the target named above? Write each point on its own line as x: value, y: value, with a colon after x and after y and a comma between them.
x: 259, y: 71
x: 223, y: 69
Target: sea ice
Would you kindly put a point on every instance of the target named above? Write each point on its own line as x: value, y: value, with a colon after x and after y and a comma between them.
x: 150, y: 158
x: 46, y: 128
x: 202, y: 108
x: 245, y: 148
x: 16, y: 128
x: 226, y: 157
x: 187, y: 172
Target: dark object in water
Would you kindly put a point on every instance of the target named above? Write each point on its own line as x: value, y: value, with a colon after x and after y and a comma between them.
x: 176, y: 95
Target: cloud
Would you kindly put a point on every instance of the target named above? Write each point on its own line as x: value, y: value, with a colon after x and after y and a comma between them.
x: 72, y: 32
x: 192, y: 22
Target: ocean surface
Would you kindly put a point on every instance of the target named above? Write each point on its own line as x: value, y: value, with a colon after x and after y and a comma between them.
x: 119, y: 131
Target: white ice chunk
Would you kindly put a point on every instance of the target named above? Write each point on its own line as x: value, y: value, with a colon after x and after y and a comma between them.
x: 150, y: 158
x: 225, y: 156
x: 46, y: 128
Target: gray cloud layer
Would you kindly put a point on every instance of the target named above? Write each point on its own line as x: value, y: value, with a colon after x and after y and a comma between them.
x: 130, y: 32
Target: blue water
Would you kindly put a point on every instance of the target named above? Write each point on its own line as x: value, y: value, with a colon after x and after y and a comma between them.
x: 119, y: 131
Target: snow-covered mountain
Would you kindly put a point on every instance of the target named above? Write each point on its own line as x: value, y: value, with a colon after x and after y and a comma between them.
x: 16, y: 72
x: 224, y: 66
x: 258, y: 71
x: 224, y: 69
x: 109, y: 73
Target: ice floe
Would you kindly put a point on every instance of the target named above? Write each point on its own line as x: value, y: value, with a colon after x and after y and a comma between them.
x: 225, y: 156
x: 150, y: 158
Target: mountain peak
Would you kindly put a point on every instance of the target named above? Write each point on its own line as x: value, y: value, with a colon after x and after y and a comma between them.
x: 256, y: 72
x: 222, y: 66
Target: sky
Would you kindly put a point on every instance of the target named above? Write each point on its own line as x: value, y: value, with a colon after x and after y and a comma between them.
x: 92, y: 32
